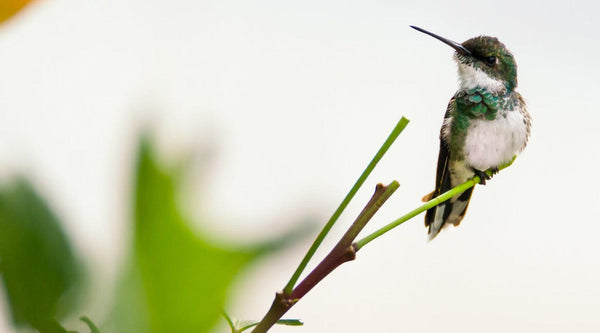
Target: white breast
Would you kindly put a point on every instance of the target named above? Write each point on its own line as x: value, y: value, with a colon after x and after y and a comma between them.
x: 490, y: 143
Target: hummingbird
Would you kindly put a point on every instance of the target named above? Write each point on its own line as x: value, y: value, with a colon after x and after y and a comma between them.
x: 485, y: 125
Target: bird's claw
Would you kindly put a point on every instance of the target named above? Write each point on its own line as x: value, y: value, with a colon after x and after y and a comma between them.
x: 494, y: 171
x: 482, y: 176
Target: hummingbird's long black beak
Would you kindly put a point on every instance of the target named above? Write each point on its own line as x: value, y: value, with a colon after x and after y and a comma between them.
x: 459, y: 48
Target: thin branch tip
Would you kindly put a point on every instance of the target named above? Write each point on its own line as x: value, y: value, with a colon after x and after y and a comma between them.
x: 350, y: 253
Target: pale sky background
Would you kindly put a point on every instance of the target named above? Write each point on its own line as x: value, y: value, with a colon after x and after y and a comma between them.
x: 297, y: 97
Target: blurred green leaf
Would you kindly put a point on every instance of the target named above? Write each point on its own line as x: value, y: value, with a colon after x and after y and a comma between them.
x: 51, y: 326
x: 178, y: 279
x: 240, y: 326
x: 38, y: 265
x: 286, y: 322
x: 290, y: 322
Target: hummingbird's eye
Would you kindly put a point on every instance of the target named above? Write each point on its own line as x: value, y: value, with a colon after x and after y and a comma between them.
x: 491, y: 60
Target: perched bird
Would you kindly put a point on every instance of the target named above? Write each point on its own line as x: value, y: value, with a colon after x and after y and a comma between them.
x: 486, y: 124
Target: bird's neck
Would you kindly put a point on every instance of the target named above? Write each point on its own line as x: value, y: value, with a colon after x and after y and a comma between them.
x: 472, y: 78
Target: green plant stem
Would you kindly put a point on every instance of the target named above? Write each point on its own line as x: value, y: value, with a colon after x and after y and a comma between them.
x: 90, y: 323
x: 311, y: 251
x: 429, y: 204
x: 229, y: 322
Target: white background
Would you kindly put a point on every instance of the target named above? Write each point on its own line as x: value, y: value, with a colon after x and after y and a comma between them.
x: 293, y: 99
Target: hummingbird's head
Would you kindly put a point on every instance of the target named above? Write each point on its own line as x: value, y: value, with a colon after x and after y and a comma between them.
x: 482, y: 62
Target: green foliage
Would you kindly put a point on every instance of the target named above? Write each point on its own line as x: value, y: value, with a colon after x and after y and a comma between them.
x: 37, y: 263
x: 285, y: 322
x: 178, y: 279
x: 242, y: 326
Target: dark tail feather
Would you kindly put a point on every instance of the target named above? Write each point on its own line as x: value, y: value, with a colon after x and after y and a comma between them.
x: 465, y: 197
x: 449, y: 212
x: 442, y: 184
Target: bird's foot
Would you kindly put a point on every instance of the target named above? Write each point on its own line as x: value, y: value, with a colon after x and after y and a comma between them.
x: 494, y: 171
x: 482, y: 176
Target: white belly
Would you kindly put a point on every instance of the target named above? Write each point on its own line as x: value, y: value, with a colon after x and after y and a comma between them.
x: 490, y: 143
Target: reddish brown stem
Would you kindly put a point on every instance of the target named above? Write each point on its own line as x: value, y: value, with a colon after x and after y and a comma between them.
x: 332, y: 261
x: 343, y: 251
